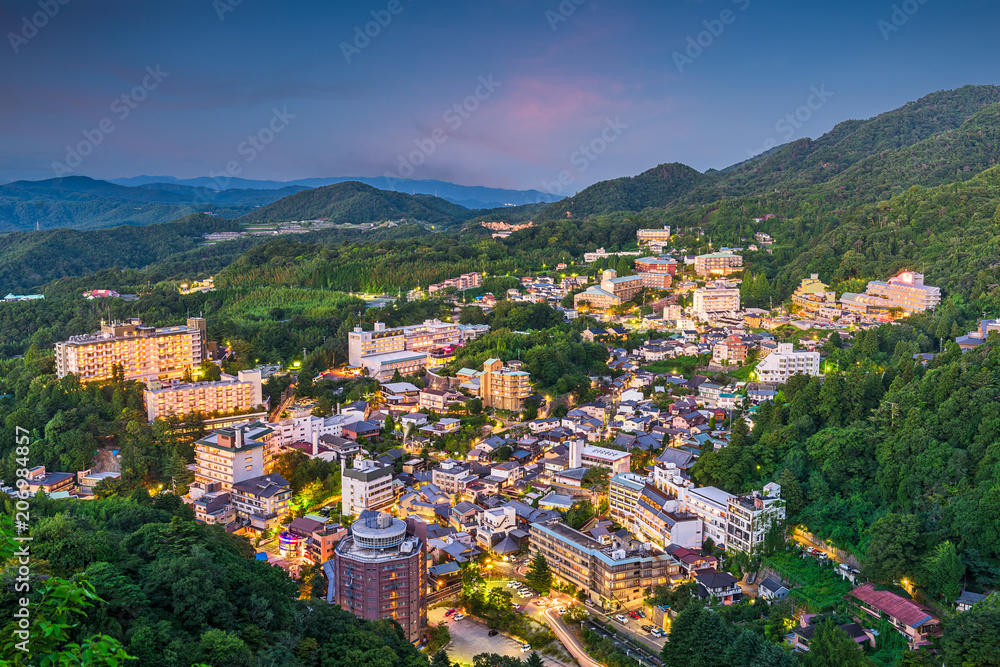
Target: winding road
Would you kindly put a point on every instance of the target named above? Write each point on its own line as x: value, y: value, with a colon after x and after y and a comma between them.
x: 568, y: 640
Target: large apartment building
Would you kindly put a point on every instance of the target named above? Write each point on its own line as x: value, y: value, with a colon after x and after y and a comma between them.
x: 751, y: 517
x: 380, y: 571
x: 644, y: 236
x: 609, y: 574
x: 778, y: 366
x: 907, y: 291
x: 613, y: 291
x: 624, y: 490
x: 232, y: 393
x: 143, y: 352
x: 230, y: 455
x: 503, y: 388
x: 718, y: 264
x: 715, y: 299
x: 365, y: 486
x: 384, y: 351
x: 707, y: 502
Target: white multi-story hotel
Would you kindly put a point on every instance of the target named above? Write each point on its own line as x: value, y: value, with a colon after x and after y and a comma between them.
x: 231, y: 393
x: 649, y: 235
x: 778, y: 366
x: 384, y: 351
x: 707, y: 502
x: 230, y: 455
x: 714, y: 299
x: 751, y: 517
x: 366, y: 486
x: 907, y: 291
x: 143, y: 352
x: 624, y: 490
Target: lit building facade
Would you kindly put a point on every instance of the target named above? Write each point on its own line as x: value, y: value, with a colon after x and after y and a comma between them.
x: 379, y: 571
x: 778, y: 366
x: 644, y: 236
x: 242, y: 392
x: 144, y: 352
x: 365, y: 486
x: 714, y: 299
x: 717, y: 264
x: 751, y: 517
x: 503, y: 388
x: 233, y: 454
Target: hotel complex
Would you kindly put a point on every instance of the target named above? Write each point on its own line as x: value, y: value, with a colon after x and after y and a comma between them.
x: 143, y: 352
x: 503, y: 388
x: 717, y: 264
x: 715, y: 299
x: 649, y: 235
x: 231, y: 455
x: 230, y: 394
x: 406, y: 349
x: 906, y: 291
x: 778, y: 366
x: 613, y: 291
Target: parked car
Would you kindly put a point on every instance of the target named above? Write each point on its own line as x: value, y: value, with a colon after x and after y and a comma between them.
x: 634, y: 614
x: 657, y: 632
x: 516, y: 606
x: 450, y: 612
x: 525, y: 648
x: 493, y: 633
x: 621, y: 619
x: 648, y: 628
x: 589, y: 602
x: 459, y: 617
x: 641, y: 613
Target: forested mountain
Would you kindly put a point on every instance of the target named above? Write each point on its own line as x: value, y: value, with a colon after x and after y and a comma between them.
x: 942, y: 137
x: 357, y: 203
x: 469, y: 196
x: 78, y: 202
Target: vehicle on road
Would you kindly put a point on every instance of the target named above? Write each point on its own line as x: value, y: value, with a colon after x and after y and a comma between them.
x: 621, y: 619
x: 525, y: 648
x: 493, y: 633
x: 515, y: 606
x: 562, y: 610
x: 589, y: 602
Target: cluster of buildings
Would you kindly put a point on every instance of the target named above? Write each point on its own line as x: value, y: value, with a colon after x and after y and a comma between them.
x: 905, y: 292
x: 461, y: 283
x: 407, y: 349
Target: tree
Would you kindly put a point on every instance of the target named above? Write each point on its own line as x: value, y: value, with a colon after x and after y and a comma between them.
x: 891, y: 552
x: 750, y: 649
x: 967, y: 638
x: 539, y: 575
x: 945, y: 571
x: 474, y: 405
x: 440, y: 659
x: 791, y: 493
x: 502, y: 454
x: 698, y: 638
x: 832, y: 647
x: 534, y: 660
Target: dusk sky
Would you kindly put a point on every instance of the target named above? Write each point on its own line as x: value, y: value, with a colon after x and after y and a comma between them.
x: 564, y: 70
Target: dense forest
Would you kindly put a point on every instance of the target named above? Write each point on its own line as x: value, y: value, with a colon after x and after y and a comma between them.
x: 138, y: 574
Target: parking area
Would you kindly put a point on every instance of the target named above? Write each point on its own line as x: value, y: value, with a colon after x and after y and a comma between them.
x: 470, y: 638
x: 633, y: 628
